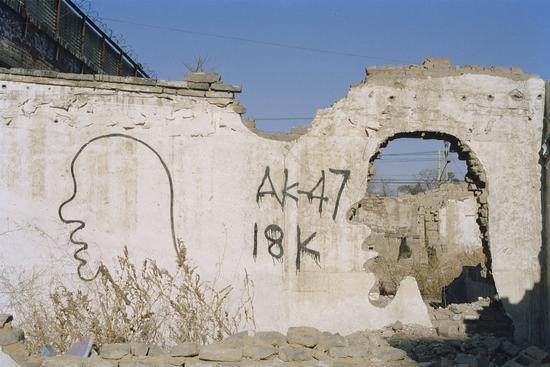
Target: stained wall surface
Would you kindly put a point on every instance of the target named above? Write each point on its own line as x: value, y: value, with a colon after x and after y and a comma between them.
x: 147, y: 163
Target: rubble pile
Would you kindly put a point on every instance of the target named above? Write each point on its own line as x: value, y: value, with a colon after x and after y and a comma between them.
x: 395, y: 345
x: 428, y: 349
x: 481, y: 317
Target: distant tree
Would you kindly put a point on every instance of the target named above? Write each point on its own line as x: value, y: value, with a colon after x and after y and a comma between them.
x: 411, y: 189
x: 380, y: 187
x: 198, y: 65
x: 386, y: 189
x: 453, y: 178
x: 428, y: 178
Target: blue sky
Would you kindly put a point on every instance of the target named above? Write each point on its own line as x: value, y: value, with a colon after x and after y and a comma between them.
x: 288, y: 83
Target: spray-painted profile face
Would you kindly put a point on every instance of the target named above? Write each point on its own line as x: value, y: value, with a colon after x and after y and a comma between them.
x: 122, y: 195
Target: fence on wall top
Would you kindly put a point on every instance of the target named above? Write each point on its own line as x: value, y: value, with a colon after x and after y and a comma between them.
x: 68, y: 25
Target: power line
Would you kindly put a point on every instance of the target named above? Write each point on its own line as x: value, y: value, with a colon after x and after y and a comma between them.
x: 253, y: 41
x: 414, y: 156
x: 391, y: 181
x: 408, y: 160
x: 281, y: 118
x: 409, y: 153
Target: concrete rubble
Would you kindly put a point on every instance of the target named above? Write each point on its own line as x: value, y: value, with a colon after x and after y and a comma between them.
x: 482, y: 316
x: 394, y: 345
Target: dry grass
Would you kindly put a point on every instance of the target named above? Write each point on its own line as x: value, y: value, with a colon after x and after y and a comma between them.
x: 129, y: 303
x: 431, y: 277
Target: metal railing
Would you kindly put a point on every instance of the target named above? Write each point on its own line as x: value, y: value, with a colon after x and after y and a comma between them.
x: 71, y: 28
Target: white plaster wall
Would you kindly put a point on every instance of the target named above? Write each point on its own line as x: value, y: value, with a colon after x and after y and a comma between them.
x: 217, y: 166
x: 457, y: 225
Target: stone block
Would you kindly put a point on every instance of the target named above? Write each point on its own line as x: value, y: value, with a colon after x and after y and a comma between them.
x: 139, y: 349
x: 172, y: 84
x: 115, y: 350
x: 265, y: 363
x: 17, y: 351
x: 198, y: 86
x: 97, y: 361
x: 352, y: 362
x: 358, y: 351
x: 63, y: 361
x: 5, y: 319
x: 447, y: 328
x: 239, y: 339
x: 139, y: 363
x: 259, y: 351
x: 339, y: 352
x: 319, y: 354
x: 397, y: 326
x: 197, y: 363
x: 169, y: 91
x: 271, y: 337
x: 303, y: 335
x: 312, y: 363
x: 328, y: 341
x: 493, y: 344
x: 220, y: 102
x: 534, y: 353
x: 190, y: 93
x: 158, y: 361
x: 7, y: 361
x: 188, y: 349
x: 512, y: 363
x: 358, y: 338
x: 376, y: 340
x: 466, y: 359
x: 238, y: 108
x: 221, y: 352
x: 155, y: 350
x: 202, y: 77
x: 509, y: 348
x: 33, y: 362
x: 215, y: 94
x: 9, y: 335
x: 226, y: 87
x: 295, y: 354
x: 388, y: 354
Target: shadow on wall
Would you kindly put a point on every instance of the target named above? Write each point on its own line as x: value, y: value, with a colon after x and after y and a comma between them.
x: 533, y: 310
x: 469, y: 286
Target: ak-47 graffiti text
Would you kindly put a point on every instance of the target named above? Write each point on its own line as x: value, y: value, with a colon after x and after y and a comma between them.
x: 274, y: 234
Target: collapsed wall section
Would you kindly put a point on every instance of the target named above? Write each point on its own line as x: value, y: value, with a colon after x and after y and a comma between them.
x: 494, y: 114
x: 431, y: 235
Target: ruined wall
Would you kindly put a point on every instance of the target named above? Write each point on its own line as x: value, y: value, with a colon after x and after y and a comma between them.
x: 443, y: 218
x: 147, y: 163
x: 433, y: 232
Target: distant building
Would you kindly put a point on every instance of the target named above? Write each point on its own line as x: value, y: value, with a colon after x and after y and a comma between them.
x: 57, y: 35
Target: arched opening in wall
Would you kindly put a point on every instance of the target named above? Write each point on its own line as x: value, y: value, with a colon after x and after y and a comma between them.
x: 426, y: 205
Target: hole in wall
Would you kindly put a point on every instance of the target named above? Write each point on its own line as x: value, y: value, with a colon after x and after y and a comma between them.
x: 426, y: 206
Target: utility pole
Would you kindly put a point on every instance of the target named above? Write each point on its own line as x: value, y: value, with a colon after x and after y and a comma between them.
x: 447, y: 161
x: 438, y: 165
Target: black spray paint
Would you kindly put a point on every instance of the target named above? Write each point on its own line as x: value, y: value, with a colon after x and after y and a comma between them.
x: 83, y: 246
